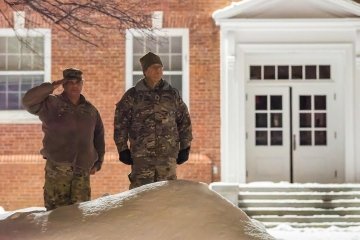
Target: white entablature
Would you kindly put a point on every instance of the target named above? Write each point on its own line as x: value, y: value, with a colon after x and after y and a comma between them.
x: 279, y: 9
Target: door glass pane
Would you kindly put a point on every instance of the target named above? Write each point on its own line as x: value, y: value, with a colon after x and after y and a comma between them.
x: 320, y: 102
x: 255, y: 72
x: 305, y: 120
x: 275, y: 102
x: 310, y: 72
x: 269, y: 72
x: 320, y: 120
x: 320, y: 137
x: 261, y: 102
x: 276, y: 120
x: 305, y: 138
x: 261, y: 138
x: 276, y: 138
x: 283, y: 72
x: 324, y: 72
x: 261, y: 120
x: 305, y: 103
x: 296, y: 72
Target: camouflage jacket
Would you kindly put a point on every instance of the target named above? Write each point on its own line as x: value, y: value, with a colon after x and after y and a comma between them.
x: 72, y: 134
x: 155, y: 121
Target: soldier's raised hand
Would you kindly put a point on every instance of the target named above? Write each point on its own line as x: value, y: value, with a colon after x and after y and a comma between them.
x: 57, y: 83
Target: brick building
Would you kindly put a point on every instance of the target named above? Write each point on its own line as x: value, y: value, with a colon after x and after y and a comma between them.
x: 193, y: 44
x: 213, y: 52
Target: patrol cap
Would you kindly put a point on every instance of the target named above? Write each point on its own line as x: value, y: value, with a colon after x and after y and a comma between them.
x: 149, y: 59
x: 72, y: 73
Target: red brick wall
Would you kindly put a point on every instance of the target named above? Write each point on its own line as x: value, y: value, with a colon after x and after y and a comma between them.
x: 104, y: 72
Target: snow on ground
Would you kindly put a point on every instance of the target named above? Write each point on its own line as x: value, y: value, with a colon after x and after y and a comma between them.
x: 286, y: 232
x: 281, y: 232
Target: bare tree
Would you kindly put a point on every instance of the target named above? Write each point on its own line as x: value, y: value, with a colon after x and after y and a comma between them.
x: 85, y: 20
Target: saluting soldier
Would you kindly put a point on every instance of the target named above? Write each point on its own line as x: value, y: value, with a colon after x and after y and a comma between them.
x: 73, y: 143
x: 154, y: 119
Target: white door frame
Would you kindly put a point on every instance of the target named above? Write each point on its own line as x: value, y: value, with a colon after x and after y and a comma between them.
x: 233, y: 87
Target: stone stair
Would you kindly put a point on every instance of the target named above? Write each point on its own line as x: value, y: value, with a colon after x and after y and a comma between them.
x: 298, y: 205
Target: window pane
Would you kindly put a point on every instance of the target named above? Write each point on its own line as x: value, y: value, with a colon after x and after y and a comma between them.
x: 26, y: 83
x: 26, y: 62
x: 38, y: 62
x: 310, y: 72
x: 164, y: 45
x: 269, y: 72
x: 261, y: 102
x: 2, y: 85
x: 296, y: 72
x: 275, y: 102
x: 320, y: 120
x: 261, y: 120
x: 137, y: 78
x: 13, y: 45
x: 13, y: 83
x: 255, y: 72
x: 38, y: 79
x: 276, y: 120
x: 305, y: 103
x: 261, y: 138
x: 320, y: 102
x: 305, y: 138
x: 175, y: 81
x: 176, y: 63
x: 13, y: 101
x: 150, y: 44
x: 2, y: 45
x: 165, y: 62
x: 276, y: 138
x: 305, y: 120
x: 2, y: 62
x: 2, y: 100
x: 27, y: 46
x: 138, y: 45
x: 176, y: 45
x: 324, y: 72
x: 283, y: 72
x: 136, y: 63
x: 14, y: 62
x: 320, y: 137
x: 38, y: 45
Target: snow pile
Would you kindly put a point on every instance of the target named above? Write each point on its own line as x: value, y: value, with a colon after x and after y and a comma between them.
x: 171, y: 210
x: 286, y: 232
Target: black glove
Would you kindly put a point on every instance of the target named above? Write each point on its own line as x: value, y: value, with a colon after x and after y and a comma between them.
x: 183, y: 156
x: 125, y: 157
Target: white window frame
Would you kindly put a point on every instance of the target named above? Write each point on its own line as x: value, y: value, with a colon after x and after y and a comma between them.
x: 22, y: 116
x: 168, y: 32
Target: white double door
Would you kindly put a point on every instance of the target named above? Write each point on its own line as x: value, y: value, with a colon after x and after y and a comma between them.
x: 294, y: 134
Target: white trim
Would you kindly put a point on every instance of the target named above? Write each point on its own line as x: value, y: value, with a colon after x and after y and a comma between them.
x: 22, y: 116
x: 181, y: 32
x: 242, y: 7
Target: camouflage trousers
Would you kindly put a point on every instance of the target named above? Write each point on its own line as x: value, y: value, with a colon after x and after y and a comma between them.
x: 152, y: 169
x: 64, y: 187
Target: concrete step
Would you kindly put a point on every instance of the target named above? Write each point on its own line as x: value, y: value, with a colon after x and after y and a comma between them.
x: 307, y: 219
x: 308, y: 187
x: 301, y: 211
x: 326, y: 196
x: 342, y: 203
x: 313, y: 225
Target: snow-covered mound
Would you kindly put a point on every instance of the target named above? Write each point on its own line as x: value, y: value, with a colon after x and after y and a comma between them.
x: 165, y: 210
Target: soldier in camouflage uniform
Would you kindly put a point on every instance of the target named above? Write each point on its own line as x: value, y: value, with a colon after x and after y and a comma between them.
x: 155, y: 120
x: 73, y: 143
